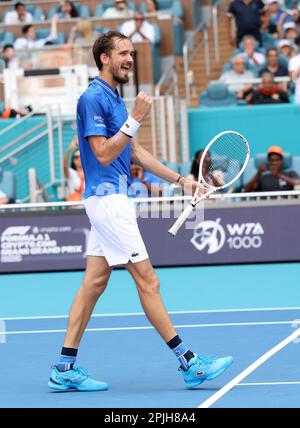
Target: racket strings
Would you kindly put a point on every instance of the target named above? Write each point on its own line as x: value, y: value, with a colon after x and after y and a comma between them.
x: 224, y: 160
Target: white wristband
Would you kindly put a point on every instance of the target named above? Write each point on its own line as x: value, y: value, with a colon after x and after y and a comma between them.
x: 130, y: 127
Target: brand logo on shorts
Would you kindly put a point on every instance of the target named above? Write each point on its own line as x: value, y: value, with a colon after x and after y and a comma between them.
x: 200, y: 373
x: 135, y: 254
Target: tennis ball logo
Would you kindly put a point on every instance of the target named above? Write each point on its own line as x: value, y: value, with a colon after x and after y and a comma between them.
x: 296, y: 76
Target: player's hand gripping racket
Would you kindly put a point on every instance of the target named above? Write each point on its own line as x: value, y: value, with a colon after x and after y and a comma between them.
x: 228, y: 146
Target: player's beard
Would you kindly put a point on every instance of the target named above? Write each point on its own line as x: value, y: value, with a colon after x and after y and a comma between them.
x: 114, y: 72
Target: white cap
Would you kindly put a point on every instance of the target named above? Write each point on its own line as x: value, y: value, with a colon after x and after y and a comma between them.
x: 272, y: 1
x: 284, y: 42
x: 289, y: 25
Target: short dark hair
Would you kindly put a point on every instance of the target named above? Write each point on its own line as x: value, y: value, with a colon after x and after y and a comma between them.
x: 272, y: 49
x: 26, y: 28
x: 7, y: 46
x: 105, y: 44
x: 19, y: 3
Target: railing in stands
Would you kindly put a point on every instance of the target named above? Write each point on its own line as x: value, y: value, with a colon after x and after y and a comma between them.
x: 284, y: 197
x: 31, y: 146
x: 190, y: 49
x: 215, y: 23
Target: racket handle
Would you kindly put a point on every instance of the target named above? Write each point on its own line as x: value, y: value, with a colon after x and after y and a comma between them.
x: 181, y: 219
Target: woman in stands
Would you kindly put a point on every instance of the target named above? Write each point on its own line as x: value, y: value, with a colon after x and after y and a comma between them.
x: 74, y: 174
x: 67, y: 10
x: 83, y: 34
x: 215, y: 179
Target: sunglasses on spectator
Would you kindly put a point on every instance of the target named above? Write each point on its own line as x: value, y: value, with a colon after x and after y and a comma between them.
x: 76, y: 157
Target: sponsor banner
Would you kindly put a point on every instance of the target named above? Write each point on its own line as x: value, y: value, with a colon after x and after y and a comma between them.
x: 57, y: 241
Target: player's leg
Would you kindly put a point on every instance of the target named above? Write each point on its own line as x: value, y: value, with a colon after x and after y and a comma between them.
x: 66, y: 375
x: 93, y: 285
x: 194, y: 368
x: 148, y: 287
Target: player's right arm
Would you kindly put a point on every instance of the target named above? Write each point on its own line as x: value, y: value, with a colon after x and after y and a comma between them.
x: 106, y: 150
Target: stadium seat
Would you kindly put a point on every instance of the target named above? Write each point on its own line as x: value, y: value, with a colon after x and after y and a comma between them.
x: 217, y: 95
x: 268, y: 41
x: 6, y: 37
x: 8, y: 184
x: 45, y: 32
x: 101, y: 7
x: 230, y: 168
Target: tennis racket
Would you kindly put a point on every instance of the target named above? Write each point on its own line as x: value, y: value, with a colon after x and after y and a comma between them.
x: 228, y: 146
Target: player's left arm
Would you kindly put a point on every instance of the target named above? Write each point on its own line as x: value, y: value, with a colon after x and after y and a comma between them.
x: 145, y: 159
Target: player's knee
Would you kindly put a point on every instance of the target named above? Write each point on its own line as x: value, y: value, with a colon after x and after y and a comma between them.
x: 95, y: 285
x: 149, y: 285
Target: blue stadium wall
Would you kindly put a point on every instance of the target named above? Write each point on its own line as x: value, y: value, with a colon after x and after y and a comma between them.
x: 263, y: 126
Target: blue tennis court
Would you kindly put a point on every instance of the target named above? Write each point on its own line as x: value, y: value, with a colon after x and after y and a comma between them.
x: 243, y: 310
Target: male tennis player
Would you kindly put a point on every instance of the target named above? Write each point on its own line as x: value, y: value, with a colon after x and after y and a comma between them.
x: 105, y: 134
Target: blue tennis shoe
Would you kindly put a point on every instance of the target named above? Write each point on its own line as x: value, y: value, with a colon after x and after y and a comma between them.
x: 77, y: 378
x: 203, y: 368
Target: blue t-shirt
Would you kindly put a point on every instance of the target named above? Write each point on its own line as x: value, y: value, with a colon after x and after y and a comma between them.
x: 139, y: 190
x: 101, y: 111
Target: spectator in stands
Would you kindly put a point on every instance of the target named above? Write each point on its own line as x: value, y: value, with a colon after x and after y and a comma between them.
x: 287, y: 48
x: 273, y: 65
x: 8, y: 57
x: 67, y: 10
x: 29, y: 40
x: 152, y: 6
x: 144, y: 183
x: 82, y: 33
x: 247, y: 15
x: 18, y: 16
x: 294, y: 71
x: 290, y: 31
x: 295, y: 15
x: 236, y: 77
x: 3, y: 198
x: 250, y: 55
x: 138, y: 29
x: 218, y: 177
x: 120, y: 10
x: 274, y: 17
x: 271, y: 177
x: 268, y: 92
x: 74, y: 174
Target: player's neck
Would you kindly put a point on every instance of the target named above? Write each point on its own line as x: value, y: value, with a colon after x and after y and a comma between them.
x: 108, y: 79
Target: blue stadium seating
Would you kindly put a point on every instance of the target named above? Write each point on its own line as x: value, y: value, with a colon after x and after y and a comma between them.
x: 6, y: 37
x: 217, y: 95
x: 45, y: 32
x: 8, y: 184
x: 101, y: 7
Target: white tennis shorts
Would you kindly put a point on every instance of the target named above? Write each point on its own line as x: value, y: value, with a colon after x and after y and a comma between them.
x: 114, y: 231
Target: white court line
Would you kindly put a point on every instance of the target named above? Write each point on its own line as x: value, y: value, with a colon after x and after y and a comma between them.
x: 124, y: 314
x: 268, y: 383
x: 233, y: 324
x: 215, y: 397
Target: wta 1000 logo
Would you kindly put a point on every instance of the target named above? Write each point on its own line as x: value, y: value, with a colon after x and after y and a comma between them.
x: 211, y: 236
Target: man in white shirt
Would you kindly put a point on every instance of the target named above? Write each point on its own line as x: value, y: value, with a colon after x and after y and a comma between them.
x: 236, y: 77
x: 138, y: 29
x: 18, y: 16
x: 29, y: 40
x: 120, y: 10
x: 254, y: 58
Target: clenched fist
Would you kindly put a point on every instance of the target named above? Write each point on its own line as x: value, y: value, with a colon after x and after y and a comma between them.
x: 143, y: 104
